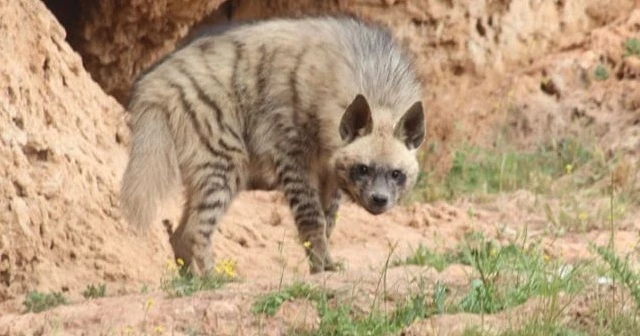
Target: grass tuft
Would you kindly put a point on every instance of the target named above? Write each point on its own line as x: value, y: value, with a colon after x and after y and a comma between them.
x: 94, y: 292
x: 37, y: 302
x: 179, y: 281
x: 476, y: 171
x: 632, y: 46
x: 622, y: 270
x: 423, y: 256
x: 509, y: 275
x: 341, y: 319
x: 269, y: 304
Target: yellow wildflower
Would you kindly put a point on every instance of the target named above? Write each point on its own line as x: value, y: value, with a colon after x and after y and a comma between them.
x: 171, y: 266
x: 582, y: 216
x: 180, y: 262
x: 226, y: 267
x: 150, y: 303
x: 128, y: 330
x: 568, y: 168
x: 158, y: 329
x: 306, y: 244
x: 545, y: 257
x: 493, y: 252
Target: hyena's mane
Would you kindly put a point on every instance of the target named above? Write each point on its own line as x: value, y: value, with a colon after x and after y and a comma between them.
x: 384, y: 71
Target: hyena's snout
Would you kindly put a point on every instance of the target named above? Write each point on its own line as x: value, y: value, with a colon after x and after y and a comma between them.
x: 378, y: 198
x: 377, y: 203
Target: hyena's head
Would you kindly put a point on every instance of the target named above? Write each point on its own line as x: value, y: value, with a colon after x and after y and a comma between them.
x: 378, y: 164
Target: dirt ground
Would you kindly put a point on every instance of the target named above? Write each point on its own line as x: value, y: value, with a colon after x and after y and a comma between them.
x: 523, y: 69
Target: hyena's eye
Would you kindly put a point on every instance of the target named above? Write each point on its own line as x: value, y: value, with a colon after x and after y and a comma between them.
x: 397, y: 175
x: 359, y: 170
x: 362, y: 169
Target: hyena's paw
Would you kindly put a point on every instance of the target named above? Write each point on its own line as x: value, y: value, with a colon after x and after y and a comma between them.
x: 320, y: 261
x: 195, y: 258
x: 329, y: 266
x: 336, y: 266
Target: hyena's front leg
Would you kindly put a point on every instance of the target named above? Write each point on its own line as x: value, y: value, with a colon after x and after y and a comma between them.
x: 302, y: 192
x: 210, y: 188
x: 330, y: 204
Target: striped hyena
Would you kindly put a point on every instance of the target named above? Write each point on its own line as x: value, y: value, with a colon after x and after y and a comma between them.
x: 314, y: 107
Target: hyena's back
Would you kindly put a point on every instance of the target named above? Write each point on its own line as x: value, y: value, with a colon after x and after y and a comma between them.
x: 227, y: 111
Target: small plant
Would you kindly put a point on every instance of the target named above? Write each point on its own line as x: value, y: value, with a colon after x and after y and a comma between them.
x: 422, y: 256
x: 413, y: 309
x: 535, y: 329
x: 601, y: 73
x: 270, y: 303
x: 180, y: 282
x: 623, y: 271
x: 475, y: 170
x: 94, y: 292
x: 511, y: 274
x: 632, y: 46
x: 341, y: 319
x: 439, y: 295
x: 37, y: 302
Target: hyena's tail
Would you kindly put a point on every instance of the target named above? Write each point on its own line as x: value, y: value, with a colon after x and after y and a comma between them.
x: 152, y: 171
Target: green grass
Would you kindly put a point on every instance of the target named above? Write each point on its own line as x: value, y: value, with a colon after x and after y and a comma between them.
x: 338, y: 316
x: 621, y: 270
x: 536, y: 328
x: 183, y: 283
x: 614, y: 310
x: 509, y: 275
x: 422, y: 256
x: 94, y: 292
x: 478, y: 171
x: 342, y: 319
x: 632, y: 47
x: 600, y: 73
x: 270, y: 303
x: 530, y: 329
x: 36, y: 301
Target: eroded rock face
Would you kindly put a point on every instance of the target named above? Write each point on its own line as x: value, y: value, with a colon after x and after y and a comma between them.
x: 451, y: 39
x: 117, y: 39
x: 61, y: 155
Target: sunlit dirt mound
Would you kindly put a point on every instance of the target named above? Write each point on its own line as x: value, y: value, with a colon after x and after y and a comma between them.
x: 61, y: 157
x: 528, y: 71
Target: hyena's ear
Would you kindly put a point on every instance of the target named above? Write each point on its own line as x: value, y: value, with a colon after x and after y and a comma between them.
x: 410, y: 129
x: 356, y: 120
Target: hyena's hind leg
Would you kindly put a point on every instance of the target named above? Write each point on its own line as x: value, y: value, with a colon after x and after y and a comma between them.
x: 211, y: 186
x: 303, y: 194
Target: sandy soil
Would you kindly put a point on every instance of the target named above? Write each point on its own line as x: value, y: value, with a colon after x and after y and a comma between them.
x: 489, y: 67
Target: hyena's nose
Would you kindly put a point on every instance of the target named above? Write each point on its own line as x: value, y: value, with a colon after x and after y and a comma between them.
x: 379, y: 200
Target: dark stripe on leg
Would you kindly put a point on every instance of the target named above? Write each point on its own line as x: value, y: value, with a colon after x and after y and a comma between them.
x: 215, y: 205
x: 293, y: 85
x: 261, y: 79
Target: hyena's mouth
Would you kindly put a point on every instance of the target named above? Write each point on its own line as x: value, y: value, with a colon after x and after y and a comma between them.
x: 375, y: 210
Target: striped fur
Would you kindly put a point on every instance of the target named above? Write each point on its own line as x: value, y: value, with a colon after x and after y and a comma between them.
x: 298, y: 105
